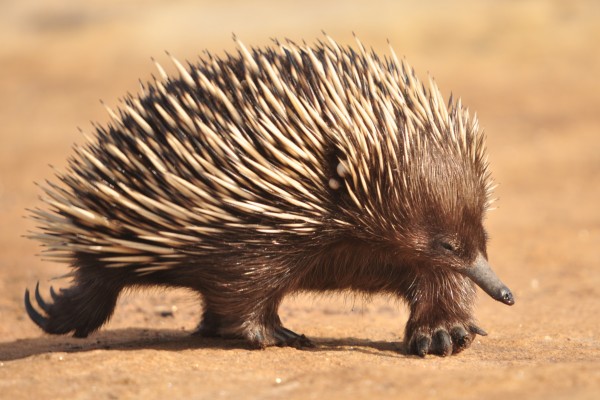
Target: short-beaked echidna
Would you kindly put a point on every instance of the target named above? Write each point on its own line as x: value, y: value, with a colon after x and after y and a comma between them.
x: 277, y: 170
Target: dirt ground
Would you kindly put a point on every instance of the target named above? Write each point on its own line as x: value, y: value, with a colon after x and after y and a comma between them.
x: 530, y: 70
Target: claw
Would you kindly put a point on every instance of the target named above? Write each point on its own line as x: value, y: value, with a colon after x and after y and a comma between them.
x: 460, y: 337
x: 53, y: 294
x: 40, y: 300
x: 442, y: 343
x: 35, y: 316
x: 422, y: 345
x: 288, y: 331
x: 282, y: 340
x: 305, y: 342
x: 477, y: 330
x: 288, y: 337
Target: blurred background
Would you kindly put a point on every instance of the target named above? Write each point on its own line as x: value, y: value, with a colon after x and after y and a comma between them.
x: 530, y: 69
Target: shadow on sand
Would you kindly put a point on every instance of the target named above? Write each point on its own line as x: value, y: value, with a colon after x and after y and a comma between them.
x: 173, y: 340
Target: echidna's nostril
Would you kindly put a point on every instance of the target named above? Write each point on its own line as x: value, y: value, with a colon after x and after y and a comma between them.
x: 507, y: 297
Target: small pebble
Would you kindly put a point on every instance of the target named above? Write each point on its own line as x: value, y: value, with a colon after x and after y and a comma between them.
x: 165, y: 311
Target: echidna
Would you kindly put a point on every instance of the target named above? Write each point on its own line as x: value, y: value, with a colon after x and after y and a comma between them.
x: 278, y: 170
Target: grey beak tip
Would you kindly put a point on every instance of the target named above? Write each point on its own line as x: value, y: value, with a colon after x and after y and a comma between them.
x: 507, y: 297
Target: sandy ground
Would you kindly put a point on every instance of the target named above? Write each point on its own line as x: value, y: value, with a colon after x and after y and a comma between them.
x: 530, y: 70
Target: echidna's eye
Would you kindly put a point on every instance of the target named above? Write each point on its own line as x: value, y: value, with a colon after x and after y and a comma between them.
x: 448, y: 246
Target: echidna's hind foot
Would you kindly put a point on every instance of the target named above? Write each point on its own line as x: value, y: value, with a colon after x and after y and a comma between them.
x: 262, y: 336
x: 81, y: 309
x: 266, y: 332
x: 290, y: 338
x: 209, y: 326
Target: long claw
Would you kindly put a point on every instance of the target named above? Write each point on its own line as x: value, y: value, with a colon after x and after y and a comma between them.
x: 40, y: 300
x: 35, y: 316
x: 53, y: 294
x: 305, y: 342
x: 282, y: 339
x: 290, y: 333
x: 288, y: 337
x: 477, y: 330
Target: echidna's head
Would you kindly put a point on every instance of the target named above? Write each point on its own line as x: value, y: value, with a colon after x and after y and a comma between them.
x: 431, y: 210
x: 423, y: 190
x: 448, y: 196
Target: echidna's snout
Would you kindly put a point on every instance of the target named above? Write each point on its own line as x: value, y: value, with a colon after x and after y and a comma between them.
x: 481, y: 273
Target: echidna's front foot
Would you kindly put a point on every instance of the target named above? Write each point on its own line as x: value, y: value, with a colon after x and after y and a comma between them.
x: 442, y: 339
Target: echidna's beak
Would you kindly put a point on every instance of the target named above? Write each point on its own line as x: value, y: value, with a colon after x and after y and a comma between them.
x: 481, y: 273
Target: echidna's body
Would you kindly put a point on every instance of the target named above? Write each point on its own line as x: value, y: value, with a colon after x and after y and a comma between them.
x: 276, y: 171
